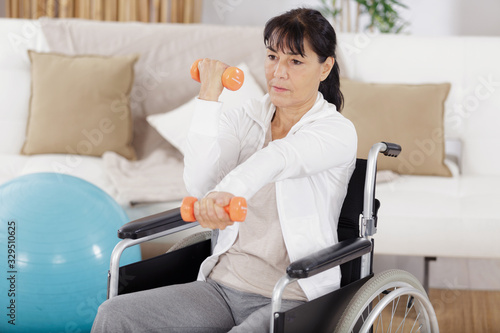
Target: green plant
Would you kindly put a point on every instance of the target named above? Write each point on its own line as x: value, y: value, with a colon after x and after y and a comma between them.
x: 383, y: 14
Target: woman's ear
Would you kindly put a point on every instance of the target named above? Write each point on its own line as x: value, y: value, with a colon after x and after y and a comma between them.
x: 326, y: 67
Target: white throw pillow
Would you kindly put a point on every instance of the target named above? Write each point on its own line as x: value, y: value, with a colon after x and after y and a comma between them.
x: 174, y: 125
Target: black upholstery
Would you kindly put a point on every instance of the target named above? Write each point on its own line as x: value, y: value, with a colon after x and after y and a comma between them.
x: 175, y: 267
x: 319, y: 315
x: 327, y: 258
x: 152, y: 224
x: 348, y: 226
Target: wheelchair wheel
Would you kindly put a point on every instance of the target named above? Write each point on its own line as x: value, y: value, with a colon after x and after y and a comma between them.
x: 392, y: 301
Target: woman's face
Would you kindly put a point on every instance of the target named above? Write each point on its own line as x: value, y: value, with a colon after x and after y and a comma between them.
x: 293, y: 80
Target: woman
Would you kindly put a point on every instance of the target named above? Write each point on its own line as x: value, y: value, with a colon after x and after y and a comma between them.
x: 291, y: 154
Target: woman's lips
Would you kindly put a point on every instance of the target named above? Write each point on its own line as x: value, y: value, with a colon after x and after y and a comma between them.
x: 279, y: 89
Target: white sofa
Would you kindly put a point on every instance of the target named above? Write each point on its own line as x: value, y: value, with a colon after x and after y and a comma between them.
x: 421, y: 215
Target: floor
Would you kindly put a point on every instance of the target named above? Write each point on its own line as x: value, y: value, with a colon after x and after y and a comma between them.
x: 465, y: 293
x: 472, y: 311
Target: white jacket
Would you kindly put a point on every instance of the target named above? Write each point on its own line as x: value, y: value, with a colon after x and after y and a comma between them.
x: 311, y: 167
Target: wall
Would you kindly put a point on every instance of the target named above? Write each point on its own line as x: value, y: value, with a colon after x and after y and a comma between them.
x: 2, y: 8
x: 430, y: 17
x: 426, y: 17
x: 454, y: 17
x: 480, y: 17
x: 248, y: 12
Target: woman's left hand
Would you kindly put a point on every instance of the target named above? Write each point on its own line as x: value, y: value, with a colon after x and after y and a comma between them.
x: 210, y: 213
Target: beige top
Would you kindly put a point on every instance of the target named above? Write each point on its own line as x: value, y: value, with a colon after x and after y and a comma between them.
x: 258, y: 257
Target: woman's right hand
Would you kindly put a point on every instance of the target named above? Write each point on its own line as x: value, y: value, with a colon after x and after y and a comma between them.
x: 211, y: 79
x: 210, y: 213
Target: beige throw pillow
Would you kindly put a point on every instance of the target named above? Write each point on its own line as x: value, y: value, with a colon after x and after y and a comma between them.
x: 80, y: 105
x: 410, y: 115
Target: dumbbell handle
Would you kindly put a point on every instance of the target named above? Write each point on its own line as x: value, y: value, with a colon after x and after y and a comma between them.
x: 232, y: 78
x: 237, y: 209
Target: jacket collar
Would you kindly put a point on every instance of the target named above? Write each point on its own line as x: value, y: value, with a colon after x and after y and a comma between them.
x: 263, y: 115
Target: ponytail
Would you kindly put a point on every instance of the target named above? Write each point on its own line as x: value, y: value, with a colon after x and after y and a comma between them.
x: 330, y: 88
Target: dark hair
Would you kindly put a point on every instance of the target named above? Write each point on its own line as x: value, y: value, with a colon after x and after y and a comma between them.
x: 286, y: 32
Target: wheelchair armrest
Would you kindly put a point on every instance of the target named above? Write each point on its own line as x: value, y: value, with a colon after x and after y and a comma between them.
x: 151, y: 225
x: 330, y: 257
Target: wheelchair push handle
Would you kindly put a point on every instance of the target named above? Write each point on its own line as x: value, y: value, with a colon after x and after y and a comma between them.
x: 237, y: 209
x: 392, y: 150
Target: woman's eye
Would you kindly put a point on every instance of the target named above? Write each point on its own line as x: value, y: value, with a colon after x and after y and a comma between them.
x: 271, y: 57
x: 296, y: 62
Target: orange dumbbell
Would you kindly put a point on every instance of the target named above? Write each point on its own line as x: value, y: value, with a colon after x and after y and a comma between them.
x: 237, y: 209
x: 232, y: 78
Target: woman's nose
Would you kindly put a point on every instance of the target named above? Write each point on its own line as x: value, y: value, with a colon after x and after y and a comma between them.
x: 280, y: 70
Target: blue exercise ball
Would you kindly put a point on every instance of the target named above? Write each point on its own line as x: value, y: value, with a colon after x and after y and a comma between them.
x: 57, y: 235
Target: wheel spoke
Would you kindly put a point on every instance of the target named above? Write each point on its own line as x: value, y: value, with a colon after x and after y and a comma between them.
x: 404, y: 316
x: 380, y: 321
x: 416, y: 320
x: 393, y: 313
x: 407, y: 310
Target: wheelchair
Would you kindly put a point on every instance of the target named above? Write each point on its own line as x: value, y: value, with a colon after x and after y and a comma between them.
x: 391, y: 301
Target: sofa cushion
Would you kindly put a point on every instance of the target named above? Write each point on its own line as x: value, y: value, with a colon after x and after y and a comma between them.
x: 16, y: 37
x: 438, y: 216
x: 79, y: 105
x: 174, y: 125
x: 410, y: 115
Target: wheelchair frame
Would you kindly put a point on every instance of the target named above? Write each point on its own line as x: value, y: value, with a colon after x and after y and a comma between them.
x: 169, y: 222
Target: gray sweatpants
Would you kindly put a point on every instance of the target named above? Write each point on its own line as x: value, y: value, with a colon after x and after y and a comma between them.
x: 193, y: 307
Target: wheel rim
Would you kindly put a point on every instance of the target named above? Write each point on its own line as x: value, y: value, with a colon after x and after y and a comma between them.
x: 396, y: 308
